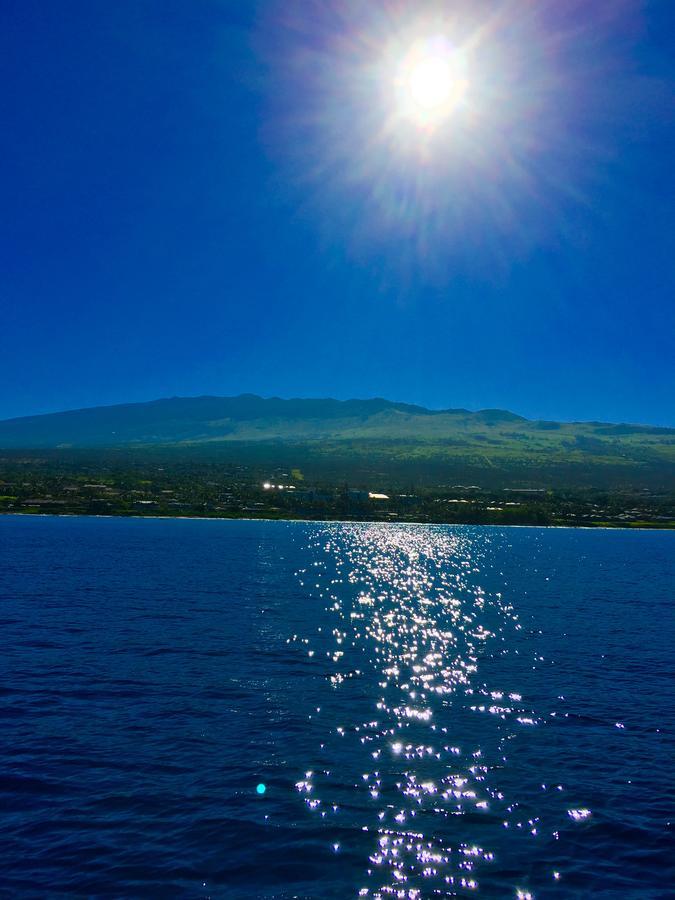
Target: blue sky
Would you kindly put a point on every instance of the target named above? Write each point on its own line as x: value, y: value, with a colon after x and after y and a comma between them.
x: 197, y: 199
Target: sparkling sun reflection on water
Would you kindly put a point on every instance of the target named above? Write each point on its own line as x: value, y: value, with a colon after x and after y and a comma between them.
x: 462, y: 709
x: 413, y: 633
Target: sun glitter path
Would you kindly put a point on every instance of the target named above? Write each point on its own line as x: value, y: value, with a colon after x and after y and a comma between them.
x: 413, y: 629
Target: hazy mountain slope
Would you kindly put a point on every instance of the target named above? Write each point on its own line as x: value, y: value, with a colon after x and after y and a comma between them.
x: 237, y: 418
x: 375, y: 434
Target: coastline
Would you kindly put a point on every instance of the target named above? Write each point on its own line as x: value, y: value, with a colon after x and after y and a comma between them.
x: 287, y: 520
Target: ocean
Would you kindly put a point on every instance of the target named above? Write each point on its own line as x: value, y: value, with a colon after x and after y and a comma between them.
x: 248, y: 709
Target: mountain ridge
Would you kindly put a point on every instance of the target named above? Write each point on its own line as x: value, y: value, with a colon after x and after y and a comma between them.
x: 336, y: 439
x: 248, y: 407
x: 208, y: 418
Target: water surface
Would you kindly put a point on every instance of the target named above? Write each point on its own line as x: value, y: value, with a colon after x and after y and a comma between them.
x: 434, y: 711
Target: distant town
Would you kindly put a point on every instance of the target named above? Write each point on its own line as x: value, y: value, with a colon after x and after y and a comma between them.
x: 33, y: 484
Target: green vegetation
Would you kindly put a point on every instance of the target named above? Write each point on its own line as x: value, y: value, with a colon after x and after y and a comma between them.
x: 363, y: 441
x: 149, y: 484
x: 211, y: 456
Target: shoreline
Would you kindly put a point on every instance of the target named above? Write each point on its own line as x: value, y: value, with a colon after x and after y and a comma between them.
x: 337, y: 521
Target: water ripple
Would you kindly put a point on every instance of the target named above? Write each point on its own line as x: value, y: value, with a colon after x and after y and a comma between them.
x: 432, y: 711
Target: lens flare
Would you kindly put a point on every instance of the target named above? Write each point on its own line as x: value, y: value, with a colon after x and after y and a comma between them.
x: 429, y: 139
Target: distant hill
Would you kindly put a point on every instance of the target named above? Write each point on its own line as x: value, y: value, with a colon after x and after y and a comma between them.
x: 376, y: 433
x: 244, y: 418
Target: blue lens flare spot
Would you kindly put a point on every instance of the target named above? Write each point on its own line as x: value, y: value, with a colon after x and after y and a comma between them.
x: 261, y: 788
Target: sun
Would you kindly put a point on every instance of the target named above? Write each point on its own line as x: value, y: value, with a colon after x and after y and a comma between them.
x: 431, y: 82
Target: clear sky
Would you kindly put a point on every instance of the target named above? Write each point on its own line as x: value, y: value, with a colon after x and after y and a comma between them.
x: 214, y: 197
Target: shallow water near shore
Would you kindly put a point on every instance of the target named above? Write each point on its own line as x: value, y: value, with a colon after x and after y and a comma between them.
x: 433, y: 711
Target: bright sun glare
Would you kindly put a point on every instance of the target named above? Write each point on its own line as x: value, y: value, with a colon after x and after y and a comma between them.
x: 431, y: 82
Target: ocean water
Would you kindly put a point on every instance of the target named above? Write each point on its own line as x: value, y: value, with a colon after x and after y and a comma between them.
x: 290, y: 710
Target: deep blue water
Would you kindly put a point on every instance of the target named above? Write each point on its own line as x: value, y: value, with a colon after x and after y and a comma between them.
x: 434, y: 711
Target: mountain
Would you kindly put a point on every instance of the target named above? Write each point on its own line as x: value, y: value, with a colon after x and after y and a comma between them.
x: 378, y: 434
x: 244, y: 418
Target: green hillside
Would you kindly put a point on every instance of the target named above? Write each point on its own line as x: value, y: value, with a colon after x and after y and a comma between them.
x: 364, y: 439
